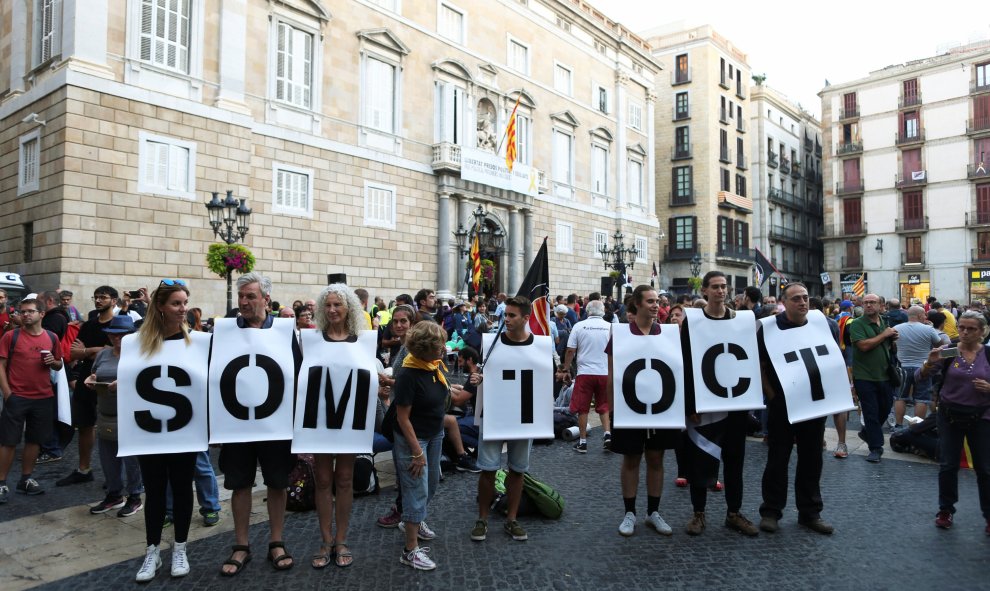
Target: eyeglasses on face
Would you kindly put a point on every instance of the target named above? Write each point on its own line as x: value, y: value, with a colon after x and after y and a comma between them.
x: 172, y: 282
x: 102, y: 297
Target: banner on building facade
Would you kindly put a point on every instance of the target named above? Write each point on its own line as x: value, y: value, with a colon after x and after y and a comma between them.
x: 516, y: 396
x: 648, y: 379
x: 161, y: 399
x: 810, y: 368
x: 488, y: 168
x: 725, y: 362
x: 252, y: 382
x: 337, y: 395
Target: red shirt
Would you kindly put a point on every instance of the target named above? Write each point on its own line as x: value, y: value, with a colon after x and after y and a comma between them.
x: 27, y: 376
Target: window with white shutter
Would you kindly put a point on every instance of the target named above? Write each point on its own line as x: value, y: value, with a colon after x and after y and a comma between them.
x: 451, y: 112
x: 451, y: 22
x: 565, y: 233
x: 563, y: 79
x: 379, y: 205
x: 635, y: 183
x: 29, y: 162
x: 294, y: 66
x: 48, y: 20
x: 599, y: 169
x: 166, y: 166
x: 518, y: 58
x: 523, y: 138
x: 165, y: 30
x: 641, y: 246
x: 292, y: 190
x: 600, y: 242
x: 635, y: 115
x: 380, y: 95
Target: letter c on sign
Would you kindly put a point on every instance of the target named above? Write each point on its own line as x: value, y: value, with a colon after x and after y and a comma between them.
x: 667, y: 387
x: 708, y: 370
x: 228, y: 387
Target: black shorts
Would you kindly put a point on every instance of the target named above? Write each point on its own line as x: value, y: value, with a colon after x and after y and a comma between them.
x: 633, y: 442
x: 239, y: 463
x: 37, y: 413
x: 83, y: 408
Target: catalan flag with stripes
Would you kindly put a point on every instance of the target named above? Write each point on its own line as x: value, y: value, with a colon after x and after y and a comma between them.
x: 475, y: 263
x: 859, y: 288
x: 510, y: 133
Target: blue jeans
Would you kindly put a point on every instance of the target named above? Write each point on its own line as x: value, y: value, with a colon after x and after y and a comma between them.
x: 950, y: 445
x: 207, y: 491
x: 876, y: 400
x: 380, y: 444
x: 469, y: 431
x: 115, y: 468
x: 417, y: 491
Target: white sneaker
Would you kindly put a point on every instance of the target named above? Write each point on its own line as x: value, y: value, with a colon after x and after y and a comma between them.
x: 418, y: 559
x: 152, y: 562
x: 425, y: 533
x: 628, y: 525
x: 180, y: 563
x: 657, y: 523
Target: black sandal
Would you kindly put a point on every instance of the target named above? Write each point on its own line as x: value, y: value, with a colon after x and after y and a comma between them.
x: 238, y: 564
x: 278, y: 561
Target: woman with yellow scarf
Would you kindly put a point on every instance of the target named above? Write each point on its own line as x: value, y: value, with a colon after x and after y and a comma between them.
x: 421, y: 394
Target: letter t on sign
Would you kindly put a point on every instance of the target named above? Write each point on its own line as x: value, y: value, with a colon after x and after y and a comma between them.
x: 814, y: 373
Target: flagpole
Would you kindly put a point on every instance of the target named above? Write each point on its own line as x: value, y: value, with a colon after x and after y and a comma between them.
x: 505, y: 132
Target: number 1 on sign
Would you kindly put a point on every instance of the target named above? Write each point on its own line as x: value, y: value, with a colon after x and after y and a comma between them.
x: 526, y: 390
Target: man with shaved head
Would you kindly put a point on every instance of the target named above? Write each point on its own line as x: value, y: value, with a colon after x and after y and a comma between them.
x: 872, y: 343
x: 916, y: 340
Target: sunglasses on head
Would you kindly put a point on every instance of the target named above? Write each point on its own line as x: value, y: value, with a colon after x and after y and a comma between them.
x: 172, y: 282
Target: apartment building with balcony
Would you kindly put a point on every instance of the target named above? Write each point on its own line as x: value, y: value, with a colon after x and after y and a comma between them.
x: 363, y: 134
x: 786, y: 152
x: 907, y: 193
x: 703, y: 188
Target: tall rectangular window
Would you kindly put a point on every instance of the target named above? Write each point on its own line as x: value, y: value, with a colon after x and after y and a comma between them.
x: 849, y: 106
x: 983, y: 204
x: 599, y: 169
x: 47, y: 29
x: 641, y: 249
x: 912, y: 250
x: 909, y: 127
x: 682, y: 185
x: 682, y: 73
x: 165, y: 33
x: 563, y: 79
x: 523, y: 137
x: 852, y: 222
x: 451, y: 112
x: 451, y: 22
x: 635, y: 115
x: 563, y: 163
x: 726, y: 179
x: 914, y: 209
x: 379, y: 205
x: 167, y: 166
x: 565, y: 234
x: 292, y: 190
x: 982, y: 74
x: 294, y: 66
x: 380, y: 95
x: 601, y: 241
x: 684, y: 233
x: 518, y: 57
x: 600, y: 99
x: 682, y: 142
x: 29, y: 162
x: 681, y: 108
x: 635, y: 182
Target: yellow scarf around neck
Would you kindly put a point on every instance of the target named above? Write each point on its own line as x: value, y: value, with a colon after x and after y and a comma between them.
x: 434, y: 366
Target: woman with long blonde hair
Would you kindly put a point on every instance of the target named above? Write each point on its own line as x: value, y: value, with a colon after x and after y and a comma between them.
x: 166, y: 321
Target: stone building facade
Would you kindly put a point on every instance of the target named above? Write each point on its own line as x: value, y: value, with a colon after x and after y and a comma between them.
x: 907, y: 193
x: 362, y: 134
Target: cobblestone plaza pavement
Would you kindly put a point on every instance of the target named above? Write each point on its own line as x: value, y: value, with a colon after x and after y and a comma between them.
x: 883, y: 515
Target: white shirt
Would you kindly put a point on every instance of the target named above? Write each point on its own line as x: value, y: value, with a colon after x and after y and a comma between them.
x: 590, y: 337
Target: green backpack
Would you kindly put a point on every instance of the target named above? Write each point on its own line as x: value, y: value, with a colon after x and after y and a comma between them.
x: 546, y: 500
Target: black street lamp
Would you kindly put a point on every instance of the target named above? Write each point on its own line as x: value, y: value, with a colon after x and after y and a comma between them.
x: 487, y: 239
x: 229, y: 220
x: 615, y: 258
x: 695, y: 265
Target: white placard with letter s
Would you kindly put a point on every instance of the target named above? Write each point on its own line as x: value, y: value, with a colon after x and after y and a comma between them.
x: 647, y: 379
x: 518, y: 395
x: 725, y: 362
x: 810, y: 368
x: 337, y: 395
x: 161, y: 399
x: 252, y: 382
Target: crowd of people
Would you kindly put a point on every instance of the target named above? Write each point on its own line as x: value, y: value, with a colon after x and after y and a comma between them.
x: 932, y: 357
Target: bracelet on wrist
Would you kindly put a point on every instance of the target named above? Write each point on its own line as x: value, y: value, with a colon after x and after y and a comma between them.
x: 417, y: 456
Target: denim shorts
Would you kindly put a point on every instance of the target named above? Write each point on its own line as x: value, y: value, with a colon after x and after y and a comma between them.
x: 490, y: 454
x: 417, y: 491
x: 922, y: 387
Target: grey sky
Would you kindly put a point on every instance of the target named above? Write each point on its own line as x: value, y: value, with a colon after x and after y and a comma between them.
x: 799, y: 45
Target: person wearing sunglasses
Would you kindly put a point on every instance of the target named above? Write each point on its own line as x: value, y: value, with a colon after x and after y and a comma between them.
x: 89, y: 342
x: 166, y: 321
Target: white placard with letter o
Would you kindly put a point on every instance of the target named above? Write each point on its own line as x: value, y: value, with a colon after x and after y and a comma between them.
x: 647, y: 379
x: 725, y: 362
x: 518, y: 396
x: 252, y: 382
x: 810, y: 368
x: 337, y: 395
x: 161, y: 399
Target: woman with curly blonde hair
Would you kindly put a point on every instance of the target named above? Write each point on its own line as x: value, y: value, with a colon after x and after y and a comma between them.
x: 339, y: 317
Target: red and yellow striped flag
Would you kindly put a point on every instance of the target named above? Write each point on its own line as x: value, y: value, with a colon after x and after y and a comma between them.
x: 859, y: 288
x: 475, y: 264
x: 510, y: 133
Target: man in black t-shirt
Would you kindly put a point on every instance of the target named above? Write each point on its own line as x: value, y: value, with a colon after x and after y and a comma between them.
x: 57, y: 321
x: 90, y: 341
